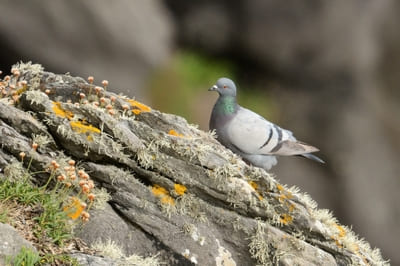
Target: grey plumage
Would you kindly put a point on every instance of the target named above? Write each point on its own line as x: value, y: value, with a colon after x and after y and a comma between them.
x: 248, y: 134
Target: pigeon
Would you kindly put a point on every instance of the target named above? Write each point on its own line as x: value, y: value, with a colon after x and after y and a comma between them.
x: 248, y: 134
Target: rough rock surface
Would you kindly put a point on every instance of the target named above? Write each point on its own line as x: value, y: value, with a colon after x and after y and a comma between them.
x: 11, y: 243
x: 332, y: 68
x: 187, y: 194
x: 90, y: 260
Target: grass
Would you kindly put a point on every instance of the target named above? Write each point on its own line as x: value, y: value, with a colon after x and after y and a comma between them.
x: 46, y: 217
x: 52, y: 223
x: 26, y: 257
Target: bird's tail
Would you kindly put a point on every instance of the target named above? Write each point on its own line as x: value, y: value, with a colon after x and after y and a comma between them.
x: 312, y: 157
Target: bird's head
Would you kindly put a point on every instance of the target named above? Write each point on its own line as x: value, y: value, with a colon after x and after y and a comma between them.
x: 225, y: 87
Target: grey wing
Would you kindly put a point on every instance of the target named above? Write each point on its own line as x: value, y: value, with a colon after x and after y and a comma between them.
x: 252, y: 134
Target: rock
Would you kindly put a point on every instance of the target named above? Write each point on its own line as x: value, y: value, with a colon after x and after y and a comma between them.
x: 333, y: 67
x: 106, y: 225
x: 190, y: 197
x: 11, y: 243
x: 90, y: 260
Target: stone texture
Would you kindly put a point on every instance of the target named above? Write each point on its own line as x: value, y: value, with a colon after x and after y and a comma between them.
x: 11, y: 242
x: 331, y: 70
x: 190, y: 198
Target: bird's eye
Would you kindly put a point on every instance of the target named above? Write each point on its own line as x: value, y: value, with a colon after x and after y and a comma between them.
x: 225, y: 86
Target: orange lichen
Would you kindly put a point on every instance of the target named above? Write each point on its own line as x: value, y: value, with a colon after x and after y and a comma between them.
x: 168, y: 200
x: 340, y: 234
x: 59, y: 111
x: 74, y: 209
x: 342, y: 231
x: 163, y: 194
x: 289, y: 195
x: 282, y: 197
x: 180, y: 189
x: 280, y: 187
x: 337, y: 242
x: 286, y: 219
x: 174, y: 133
x: 139, y: 107
x: 79, y: 127
x: 159, y: 191
x: 254, y: 185
x: 291, y: 207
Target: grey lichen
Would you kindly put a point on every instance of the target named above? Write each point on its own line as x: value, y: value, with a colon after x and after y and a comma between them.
x: 259, y: 247
x: 163, y: 149
x: 36, y: 97
x: 102, y: 197
x: 187, y: 204
x: 35, y: 71
x: 113, y: 250
x: 14, y: 171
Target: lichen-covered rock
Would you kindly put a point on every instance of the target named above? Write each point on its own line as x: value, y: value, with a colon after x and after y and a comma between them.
x: 189, y: 196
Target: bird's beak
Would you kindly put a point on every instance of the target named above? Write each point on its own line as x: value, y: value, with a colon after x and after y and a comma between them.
x: 213, y: 88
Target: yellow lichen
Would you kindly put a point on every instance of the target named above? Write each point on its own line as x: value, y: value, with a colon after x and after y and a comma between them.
x: 159, y: 191
x: 340, y: 234
x: 74, y: 209
x: 167, y: 200
x: 79, y: 127
x: 291, y: 207
x: 59, y: 111
x: 136, y: 111
x: 286, y: 219
x: 279, y: 187
x: 342, y: 231
x: 163, y: 194
x: 282, y: 198
x: 254, y: 185
x: 139, y: 107
x: 180, y: 189
x: 174, y: 133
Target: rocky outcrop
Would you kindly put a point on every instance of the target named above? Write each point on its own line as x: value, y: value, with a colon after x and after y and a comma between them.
x: 331, y: 68
x: 175, y: 191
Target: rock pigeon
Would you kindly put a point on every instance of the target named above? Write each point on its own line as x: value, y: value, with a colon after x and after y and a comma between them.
x: 249, y: 135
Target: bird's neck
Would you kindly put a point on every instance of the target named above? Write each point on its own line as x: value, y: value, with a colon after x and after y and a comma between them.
x: 226, y: 104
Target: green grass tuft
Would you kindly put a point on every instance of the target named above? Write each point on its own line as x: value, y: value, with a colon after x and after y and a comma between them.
x: 26, y: 257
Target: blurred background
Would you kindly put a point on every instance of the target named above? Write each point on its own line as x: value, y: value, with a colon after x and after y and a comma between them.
x: 327, y: 70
